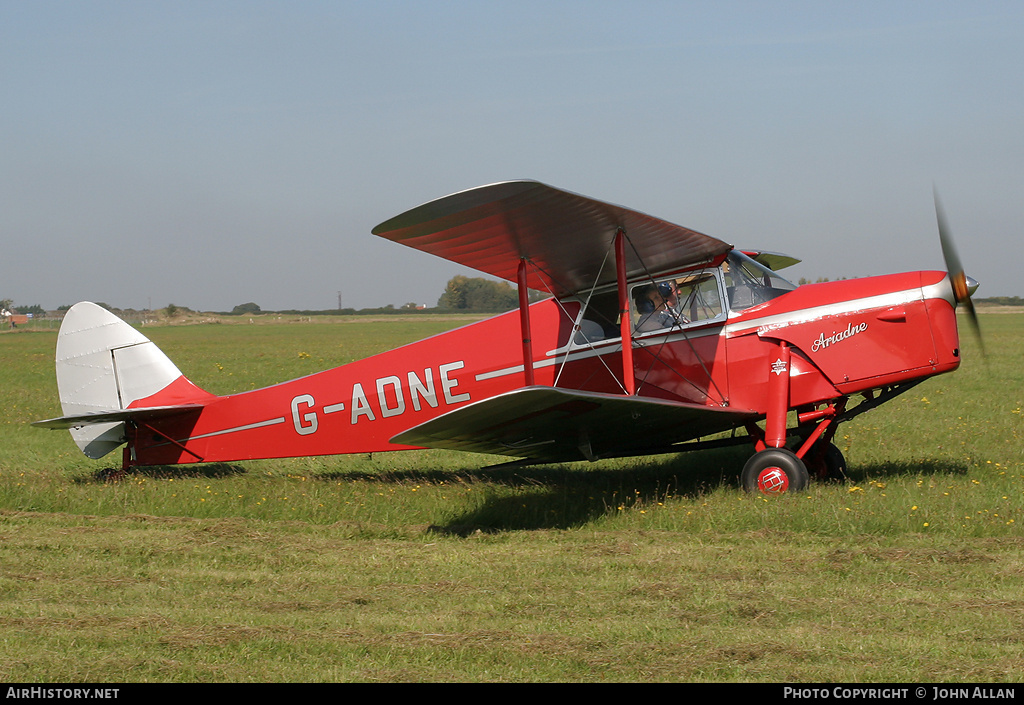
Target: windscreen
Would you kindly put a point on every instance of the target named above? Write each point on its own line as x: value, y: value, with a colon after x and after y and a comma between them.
x: 749, y: 283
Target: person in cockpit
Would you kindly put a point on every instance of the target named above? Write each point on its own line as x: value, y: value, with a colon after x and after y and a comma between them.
x: 656, y: 304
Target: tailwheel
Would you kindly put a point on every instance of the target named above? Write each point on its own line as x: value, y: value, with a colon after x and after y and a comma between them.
x: 826, y: 463
x: 774, y: 471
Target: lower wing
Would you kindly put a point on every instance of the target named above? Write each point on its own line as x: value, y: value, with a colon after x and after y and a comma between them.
x: 559, y: 425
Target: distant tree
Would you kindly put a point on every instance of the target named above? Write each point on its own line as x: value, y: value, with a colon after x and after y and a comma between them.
x: 454, y: 295
x: 247, y: 308
x: 819, y: 280
x: 477, y: 294
x: 171, y: 311
x: 34, y: 309
x: 1002, y: 300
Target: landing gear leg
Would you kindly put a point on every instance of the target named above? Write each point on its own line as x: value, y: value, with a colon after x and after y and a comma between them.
x: 775, y: 469
x: 824, y: 460
x: 131, y: 434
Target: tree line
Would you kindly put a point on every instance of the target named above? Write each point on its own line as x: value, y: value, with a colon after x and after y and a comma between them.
x: 463, y: 294
x: 485, y: 295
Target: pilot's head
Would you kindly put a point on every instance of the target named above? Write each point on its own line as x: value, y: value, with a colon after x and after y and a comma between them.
x: 667, y: 290
x: 644, y: 297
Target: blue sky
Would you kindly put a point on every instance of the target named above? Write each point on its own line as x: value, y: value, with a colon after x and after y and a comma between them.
x: 213, y: 153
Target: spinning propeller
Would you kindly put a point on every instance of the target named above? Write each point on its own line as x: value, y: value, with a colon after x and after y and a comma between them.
x: 963, y: 285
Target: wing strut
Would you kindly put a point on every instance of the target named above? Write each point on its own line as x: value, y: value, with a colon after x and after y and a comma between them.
x: 524, y: 323
x: 625, y: 324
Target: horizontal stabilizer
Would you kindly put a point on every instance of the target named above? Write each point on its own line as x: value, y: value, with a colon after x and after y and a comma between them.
x: 557, y: 425
x: 145, y: 413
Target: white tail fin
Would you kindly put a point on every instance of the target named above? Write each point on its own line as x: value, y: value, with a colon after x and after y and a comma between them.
x: 103, y: 366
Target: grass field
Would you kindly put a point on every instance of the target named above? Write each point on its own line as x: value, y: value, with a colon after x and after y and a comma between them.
x: 420, y: 566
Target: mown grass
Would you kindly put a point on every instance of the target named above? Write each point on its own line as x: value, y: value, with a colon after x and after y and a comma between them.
x: 426, y: 566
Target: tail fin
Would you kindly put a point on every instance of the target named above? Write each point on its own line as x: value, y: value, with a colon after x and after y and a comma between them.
x: 107, y: 372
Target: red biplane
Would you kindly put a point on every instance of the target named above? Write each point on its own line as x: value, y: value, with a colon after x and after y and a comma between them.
x: 655, y: 339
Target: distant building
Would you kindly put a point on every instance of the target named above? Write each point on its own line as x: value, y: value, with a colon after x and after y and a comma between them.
x: 13, y: 318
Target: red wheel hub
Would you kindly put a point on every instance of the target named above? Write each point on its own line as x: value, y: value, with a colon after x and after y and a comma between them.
x: 773, y: 480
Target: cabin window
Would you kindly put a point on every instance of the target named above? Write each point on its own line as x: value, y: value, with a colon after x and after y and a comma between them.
x: 659, y: 305
x: 600, y: 319
x: 749, y: 283
x: 676, y: 301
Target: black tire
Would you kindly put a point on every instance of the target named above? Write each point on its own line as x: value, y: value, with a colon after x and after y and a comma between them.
x: 827, y: 463
x: 774, y: 471
x: 835, y: 464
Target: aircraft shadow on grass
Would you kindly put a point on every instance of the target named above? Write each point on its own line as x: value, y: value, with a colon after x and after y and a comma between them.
x: 210, y: 471
x: 557, y: 496
x: 561, y: 497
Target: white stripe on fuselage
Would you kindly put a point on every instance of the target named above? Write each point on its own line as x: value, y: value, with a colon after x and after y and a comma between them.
x: 942, y: 290
x: 246, y: 427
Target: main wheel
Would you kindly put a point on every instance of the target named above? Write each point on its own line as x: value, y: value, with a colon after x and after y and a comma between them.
x: 774, y: 471
x: 826, y: 463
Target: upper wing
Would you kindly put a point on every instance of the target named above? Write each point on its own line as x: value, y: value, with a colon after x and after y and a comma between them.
x: 565, y: 235
x: 554, y: 425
